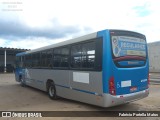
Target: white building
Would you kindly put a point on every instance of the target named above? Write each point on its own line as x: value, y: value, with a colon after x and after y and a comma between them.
x: 154, y: 56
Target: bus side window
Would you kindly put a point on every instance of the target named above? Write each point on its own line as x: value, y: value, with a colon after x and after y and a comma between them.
x: 65, y: 57
x: 43, y: 59
x: 35, y: 60
x: 76, y: 56
x: 28, y: 61
x: 49, y: 59
x: 56, y: 57
x: 88, y: 55
x: 23, y: 59
x: 18, y: 58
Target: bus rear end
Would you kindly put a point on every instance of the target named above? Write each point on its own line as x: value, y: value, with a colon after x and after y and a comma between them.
x: 128, y: 70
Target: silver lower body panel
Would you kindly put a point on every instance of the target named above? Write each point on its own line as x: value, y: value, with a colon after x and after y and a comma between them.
x: 110, y: 100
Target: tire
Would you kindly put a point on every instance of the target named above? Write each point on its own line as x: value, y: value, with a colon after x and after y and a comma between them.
x: 22, y: 82
x: 52, y: 91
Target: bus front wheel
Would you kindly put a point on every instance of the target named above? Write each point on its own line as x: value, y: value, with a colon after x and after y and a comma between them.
x: 52, y: 91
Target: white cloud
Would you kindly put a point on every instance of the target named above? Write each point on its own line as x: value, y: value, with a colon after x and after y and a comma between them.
x: 30, y: 43
x: 94, y: 14
x: 2, y: 42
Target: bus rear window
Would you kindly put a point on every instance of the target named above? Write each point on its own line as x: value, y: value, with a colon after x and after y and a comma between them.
x: 128, y: 46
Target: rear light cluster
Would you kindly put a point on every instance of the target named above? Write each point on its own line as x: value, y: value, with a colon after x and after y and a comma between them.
x: 112, y: 89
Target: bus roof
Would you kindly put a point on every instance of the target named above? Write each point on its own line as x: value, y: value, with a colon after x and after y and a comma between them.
x: 79, y: 39
x: 74, y: 40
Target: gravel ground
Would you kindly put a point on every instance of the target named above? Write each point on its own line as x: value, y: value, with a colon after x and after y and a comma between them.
x: 13, y: 97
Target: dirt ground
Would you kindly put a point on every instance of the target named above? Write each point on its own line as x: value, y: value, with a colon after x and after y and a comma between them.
x: 13, y: 97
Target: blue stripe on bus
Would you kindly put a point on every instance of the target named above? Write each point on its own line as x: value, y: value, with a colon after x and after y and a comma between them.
x: 79, y: 90
x: 83, y: 91
x: 62, y: 86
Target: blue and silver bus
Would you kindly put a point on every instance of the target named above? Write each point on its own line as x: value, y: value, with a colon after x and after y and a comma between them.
x: 105, y: 68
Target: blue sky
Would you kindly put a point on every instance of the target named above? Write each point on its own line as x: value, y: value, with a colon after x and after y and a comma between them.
x: 35, y: 23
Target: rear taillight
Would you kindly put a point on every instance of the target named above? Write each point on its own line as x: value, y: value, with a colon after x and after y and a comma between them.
x: 112, y: 89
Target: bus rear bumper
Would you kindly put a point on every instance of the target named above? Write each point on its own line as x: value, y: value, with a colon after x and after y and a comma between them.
x: 110, y: 100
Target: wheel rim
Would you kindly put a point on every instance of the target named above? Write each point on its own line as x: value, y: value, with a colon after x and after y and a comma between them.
x: 51, y: 91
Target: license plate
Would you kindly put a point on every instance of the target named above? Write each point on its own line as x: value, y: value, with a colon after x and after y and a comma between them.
x: 133, y: 89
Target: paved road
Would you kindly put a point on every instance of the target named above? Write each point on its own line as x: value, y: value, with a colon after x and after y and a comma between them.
x: 14, y: 97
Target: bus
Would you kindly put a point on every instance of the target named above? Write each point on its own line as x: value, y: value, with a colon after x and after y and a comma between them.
x: 105, y: 68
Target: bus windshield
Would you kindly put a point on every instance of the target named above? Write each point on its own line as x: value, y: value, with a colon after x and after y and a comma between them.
x: 128, y: 46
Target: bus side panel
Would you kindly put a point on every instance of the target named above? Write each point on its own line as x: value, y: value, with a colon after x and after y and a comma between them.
x: 87, y: 81
x: 83, y: 89
x: 80, y: 96
x: 38, y: 77
x: 91, y: 92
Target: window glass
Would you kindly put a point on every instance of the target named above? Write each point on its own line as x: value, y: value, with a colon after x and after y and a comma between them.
x: 28, y: 61
x: 88, y: 55
x: 127, y: 45
x: 49, y: 58
x: 46, y: 59
x: 61, y: 57
x: 36, y: 60
x: 33, y: 60
x: 83, y: 55
x: 49, y: 54
x: 57, y: 51
x: 76, y: 56
x: 43, y: 57
x: 65, y: 57
x: 57, y: 57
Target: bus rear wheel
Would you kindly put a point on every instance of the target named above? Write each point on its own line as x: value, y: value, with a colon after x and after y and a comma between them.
x: 52, y: 91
